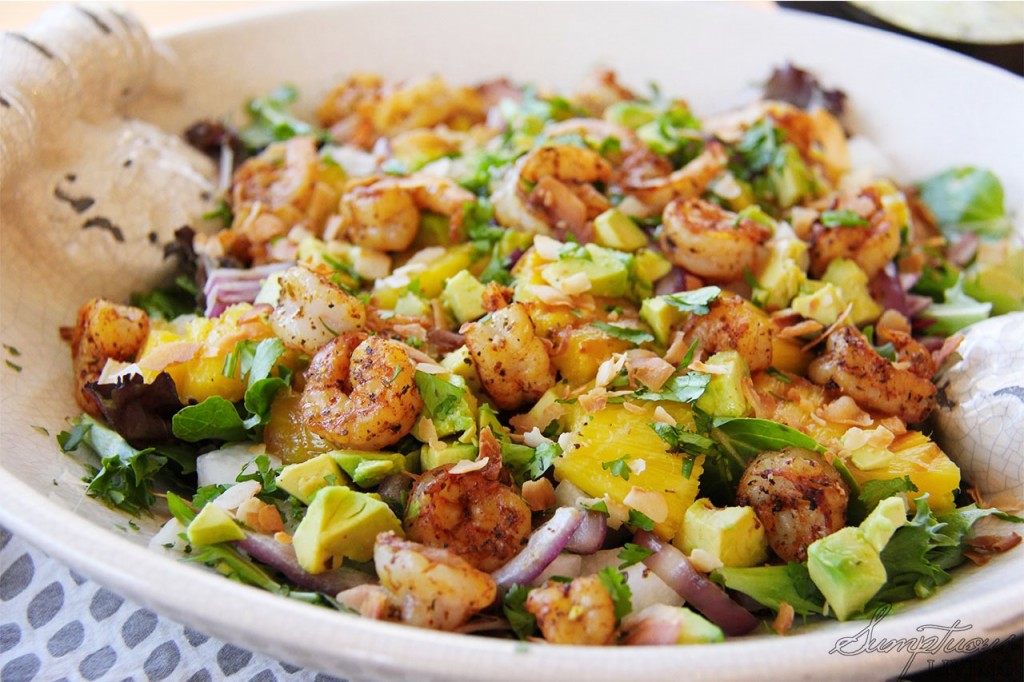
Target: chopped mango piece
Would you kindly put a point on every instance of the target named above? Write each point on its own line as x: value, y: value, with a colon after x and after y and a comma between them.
x: 584, y: 350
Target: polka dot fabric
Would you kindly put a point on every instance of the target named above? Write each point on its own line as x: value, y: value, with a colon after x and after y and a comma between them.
x: 56, y: 625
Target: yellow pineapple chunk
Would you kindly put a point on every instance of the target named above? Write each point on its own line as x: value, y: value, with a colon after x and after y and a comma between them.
x: 286, y: 435
x: 584, y: 350
x: 917, y: 456
x: 615, y: 432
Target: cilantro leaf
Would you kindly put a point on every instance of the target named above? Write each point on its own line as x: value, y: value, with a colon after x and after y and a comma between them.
x: 639, y: 520
x: 680, y: 389
x: 696, y: 301
x: 270, y: 120
x: 513, y: 605
x: 617, y: 467
x: 873, y: 492
x: 126, y: 475
x: 690, y: 445
x: 632, y: 554
x: 440, y: 397
x: 615, y: 582
x: 265, y: 474
x: 842, y: 218
x: 635, y: 336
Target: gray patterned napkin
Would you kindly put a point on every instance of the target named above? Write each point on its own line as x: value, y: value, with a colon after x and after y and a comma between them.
x: 57, y: 625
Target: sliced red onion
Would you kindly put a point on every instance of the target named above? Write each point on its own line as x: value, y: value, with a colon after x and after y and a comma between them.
x: 674, y: 281
x: 589, y: 537
x: 546, y: 543
x: 226, y: 286
x: 279, y: 556
x: 888, y: 292
x: 672, y: 566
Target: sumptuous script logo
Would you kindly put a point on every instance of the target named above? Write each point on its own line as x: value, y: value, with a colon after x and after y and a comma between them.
x: 937, y: 642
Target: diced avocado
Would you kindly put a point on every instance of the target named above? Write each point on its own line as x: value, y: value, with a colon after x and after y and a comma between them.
x: 460, y: 363
x: 783, y: 275
x: 852, y: 284
x: 411, y: 305
x: 341, y: 523
x: 868, y: 457
x: 847, y: 569
x: 450, y: 406
x: 463, y: 295
x: 995, y: 285
x: 884, y: 520
x: 733, y: 534
x: 304, y: 479
x: 434, y: 231
x: 824, y: 305
x: 660, y: 316
x: 724, y: 396
x: 608, y: 272
x: 212, y: 525
x: 755, y: 213
x: 367, y: 469
x: 454, y: 452
x: 616, y: 230
x: 696, y: 629
x: 651, y: 265
x: 270, y: 291
x: 630, y: 114
x: 791, y: 180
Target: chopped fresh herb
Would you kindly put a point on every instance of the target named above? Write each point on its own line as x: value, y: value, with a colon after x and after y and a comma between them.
x: 615, y: 582
x: 513, y: 605
x: 690, y: 352
x: 636, y: 336
x: 779, y: 374
x: 773, y: 585
x: 842, y: 218
x: 440, y: 397
x: 270, y: 121
x: 327, y: 327
x: 16, y: 368
x: 639, y: 520
x: 696, y: 301
x: 599, y: 506
x: 265, y: 474
x: 632, y: 554
x: 873, y: 492
x: 222, y: 213
x: 12, y: 350
x: 617, y: 467
x: 41, y: 429
x: 680, y: 389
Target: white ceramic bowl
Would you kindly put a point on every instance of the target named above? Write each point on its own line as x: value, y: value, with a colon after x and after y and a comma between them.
x: 63, y: 138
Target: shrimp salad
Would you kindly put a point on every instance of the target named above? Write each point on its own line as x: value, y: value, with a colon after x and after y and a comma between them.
x: 584, y: 369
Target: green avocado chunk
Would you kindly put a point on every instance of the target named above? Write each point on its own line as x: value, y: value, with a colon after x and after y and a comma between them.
x: 455, y: 452
x: 212, y: 525
x: 341, y: 523
x: 607, y: 270
x: 304, y: 479
x: 367, y: 469
x: 734, y: 535
x: 463, y: 295
x: 616, y: 230
x: 724, y: 396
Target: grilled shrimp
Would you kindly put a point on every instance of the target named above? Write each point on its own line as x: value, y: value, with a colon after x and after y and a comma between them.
x: 579, y: 612
x: 549, y: 189
x: 512, y: 361
x: 797, y: 495
x: 104, y: 331
x: 709, y: 241
x: 871, y: 246
x: 903, y: 388
x: 385, y: 214
x: 360, y: 392
x: 474, y: 514
x: 311, y: 310
x: 685, y: 183
x: 732, y: 323
x: 428, y: 586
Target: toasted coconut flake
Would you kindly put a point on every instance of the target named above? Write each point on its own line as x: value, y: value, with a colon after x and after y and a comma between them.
x: 677, y: 349
x: 256, y: 314
x: 985, y: 547
x: 546, y: 247
x: 894, y: 424
x: 637, y: 466
x: 610, y: 369
x: 893, y: 320
x: 633, y: 408
x: 270, y: 519
x: 539, y: 494
x: 784, y: 620
x: 430, y: 368
x: 232, y: 498
x: 594, y: 400
x: 530, y: 421
x: 662, y: 415
x: 648, y: 502
x: 113, y: 371
x: 949, y: 347
x: 421, y: 358
x: 840, y: 321
x: 464, y: 466
x: 534, y: 438
x: 549, y: 295
x: 844, y: 410
x: 651, y: 371
x: 856, y: 438
x: 575, y: 284
x: 805, y: 328
x: 414, y: 331
x: 698, y: 366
